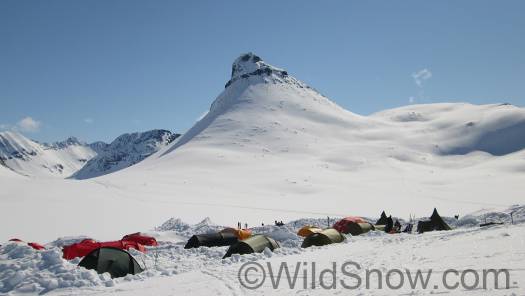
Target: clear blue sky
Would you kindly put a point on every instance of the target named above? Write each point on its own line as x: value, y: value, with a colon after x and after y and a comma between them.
x: 96, y: 69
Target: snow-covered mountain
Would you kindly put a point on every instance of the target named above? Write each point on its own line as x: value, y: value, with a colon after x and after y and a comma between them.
x: 77, y: 159
x: 124, y: 151
x: 31, y: 158
x: 263, y: 109
x: 270, y: 135
x: 273, y: 148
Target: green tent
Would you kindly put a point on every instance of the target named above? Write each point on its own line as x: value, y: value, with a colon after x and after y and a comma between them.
x: 359, y: 228
x: 254, y: 244
x: 380, y: 227
x: 435, y: 223
x: 211, y: 240
x: 116, y: 262
x: 325, y: 237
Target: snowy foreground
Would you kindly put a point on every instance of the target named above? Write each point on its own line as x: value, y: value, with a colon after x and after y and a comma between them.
x: 171, y: 270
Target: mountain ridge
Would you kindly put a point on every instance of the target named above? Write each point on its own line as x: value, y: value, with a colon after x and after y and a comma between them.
x: 119, y: 154
x: 66, y: 158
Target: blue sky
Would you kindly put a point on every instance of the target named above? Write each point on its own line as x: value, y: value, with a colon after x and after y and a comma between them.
x: 96, y: 69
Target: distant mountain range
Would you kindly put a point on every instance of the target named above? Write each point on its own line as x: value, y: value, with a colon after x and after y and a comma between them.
x: 77, y: 159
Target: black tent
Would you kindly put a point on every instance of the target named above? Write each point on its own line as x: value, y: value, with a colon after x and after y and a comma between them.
x: 254, y: 244
x: 382, y: 220
x: 325, y: 237
x: 211, y: 240
x: 117, y: 262
x: 389, y: 224
x: 435, y: 223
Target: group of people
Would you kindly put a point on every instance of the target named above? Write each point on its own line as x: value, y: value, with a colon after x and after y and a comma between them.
x: 239, y: 225
x: 276, y: 223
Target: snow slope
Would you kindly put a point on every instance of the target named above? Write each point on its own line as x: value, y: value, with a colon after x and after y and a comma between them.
x: 272, y: 148
x: 30, y: 158
x: 6, y: 172
x: 126, y: 150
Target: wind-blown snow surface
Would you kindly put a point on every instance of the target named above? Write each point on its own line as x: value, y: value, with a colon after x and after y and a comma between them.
x: 272, y: 148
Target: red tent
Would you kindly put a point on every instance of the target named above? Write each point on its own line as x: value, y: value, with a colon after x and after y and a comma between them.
x: 35, y: 246
x: 141, y: 239
x: 85, y: 247
x: 342, y: 225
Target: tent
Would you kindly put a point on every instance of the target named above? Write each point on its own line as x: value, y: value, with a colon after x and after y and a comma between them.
x: 382, y: 220
x: 86, y: 246
x: 359, y: 228
x: 379, y: 227
x: 389, y: 224
x: 350, y: 225
x: 117, y: 262
x: 239, y: 233
x: 254, y: 244
x: 435, y: 223
x: 325, y: 237
x: 211, y: 240
x: 141, y: 239
x: 307, y: 230
x: 35, y: 246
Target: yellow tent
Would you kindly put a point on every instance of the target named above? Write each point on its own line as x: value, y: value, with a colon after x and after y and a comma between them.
x: 241, y: 234
x: 307, y: 230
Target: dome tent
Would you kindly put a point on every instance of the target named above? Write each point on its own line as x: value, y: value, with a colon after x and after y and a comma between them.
x: 254, y: 244
x: 353, y: 226
x: 86, y: 246
x: 141, y: 238
x: 116, y: 262
x: 359, y: 228
x: 325, y: 237
x: 307, y: 230
x: 217, y: 239
x: 239, y: 233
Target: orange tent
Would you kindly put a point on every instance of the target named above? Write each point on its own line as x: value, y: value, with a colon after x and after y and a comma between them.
x: 241, y: 234
x: 307, y: 230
